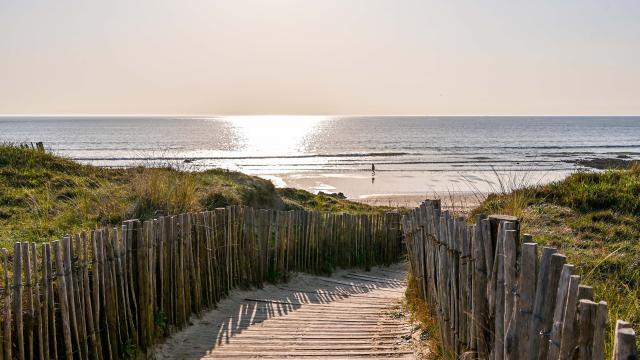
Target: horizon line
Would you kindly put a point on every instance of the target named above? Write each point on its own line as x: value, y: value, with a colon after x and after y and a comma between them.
x: 307, y: 115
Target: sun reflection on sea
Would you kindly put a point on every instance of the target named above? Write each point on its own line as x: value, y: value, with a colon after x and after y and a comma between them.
x: 269, y: 135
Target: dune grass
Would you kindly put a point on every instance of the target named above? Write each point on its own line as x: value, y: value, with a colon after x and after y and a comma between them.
x: 594, y: 219
x: 44, y: 196
x: 324, y: 202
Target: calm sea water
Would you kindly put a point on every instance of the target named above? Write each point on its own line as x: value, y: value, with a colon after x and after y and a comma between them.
x: 291, y: 146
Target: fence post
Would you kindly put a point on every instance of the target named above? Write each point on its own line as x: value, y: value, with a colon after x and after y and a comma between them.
x: 587, y: 319
x: 498, y: 226
x: 480, y: 305
x: 519, y: 341
x: 510, y: 275
x: 6, y: 331
x: 568, y: 336
x: 64, y: 307
x: 558, y: 313
x: 624, y: 347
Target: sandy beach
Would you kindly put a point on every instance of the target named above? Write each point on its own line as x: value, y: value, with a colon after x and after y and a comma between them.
x: 458, y: 191
x: 461, y: 202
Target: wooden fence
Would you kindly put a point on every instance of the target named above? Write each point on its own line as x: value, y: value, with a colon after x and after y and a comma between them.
x: 112, y: 293
x: 495, y: 299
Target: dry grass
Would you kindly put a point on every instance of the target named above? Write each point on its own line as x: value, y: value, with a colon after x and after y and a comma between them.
x: 164, y: 190
x: 511, y: 190
x: 422, y: 314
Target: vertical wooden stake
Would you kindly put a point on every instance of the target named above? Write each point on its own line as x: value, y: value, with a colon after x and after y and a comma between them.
x: 6, y: 331
x: 62, y: 295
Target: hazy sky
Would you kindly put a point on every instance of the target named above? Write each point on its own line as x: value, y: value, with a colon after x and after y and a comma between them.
x: 320, y: 57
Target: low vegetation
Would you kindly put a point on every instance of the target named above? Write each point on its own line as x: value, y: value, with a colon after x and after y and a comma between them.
x: 594, y: 219
x: 44, y: 196
x: 324, y: 202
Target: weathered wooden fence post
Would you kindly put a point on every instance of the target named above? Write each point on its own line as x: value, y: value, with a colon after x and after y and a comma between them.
x: 624, y: 347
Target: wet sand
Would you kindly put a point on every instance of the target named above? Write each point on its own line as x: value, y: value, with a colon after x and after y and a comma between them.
x: 458, y: 190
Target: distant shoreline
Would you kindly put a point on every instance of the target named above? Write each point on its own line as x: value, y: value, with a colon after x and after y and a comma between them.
x: 413, y: 156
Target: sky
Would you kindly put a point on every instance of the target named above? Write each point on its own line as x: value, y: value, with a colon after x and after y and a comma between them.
x: 211, y: 57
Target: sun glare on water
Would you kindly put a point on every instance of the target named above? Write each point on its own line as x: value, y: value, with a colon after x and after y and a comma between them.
x: 274, y: 135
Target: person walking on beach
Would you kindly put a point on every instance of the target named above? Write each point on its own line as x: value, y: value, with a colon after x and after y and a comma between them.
x: 373, y: 169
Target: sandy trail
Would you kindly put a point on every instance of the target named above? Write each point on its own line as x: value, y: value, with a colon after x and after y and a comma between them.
x: 351, y: 314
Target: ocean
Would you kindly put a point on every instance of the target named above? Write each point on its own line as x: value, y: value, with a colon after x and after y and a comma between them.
x: 413, y: 155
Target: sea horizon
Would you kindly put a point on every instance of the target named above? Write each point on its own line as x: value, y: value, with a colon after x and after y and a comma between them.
x: 412, y: 155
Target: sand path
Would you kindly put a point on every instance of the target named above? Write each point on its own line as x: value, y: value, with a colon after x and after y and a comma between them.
x: 351, y: 314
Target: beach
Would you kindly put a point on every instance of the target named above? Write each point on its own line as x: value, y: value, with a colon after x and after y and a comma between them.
x: 460, y: 191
